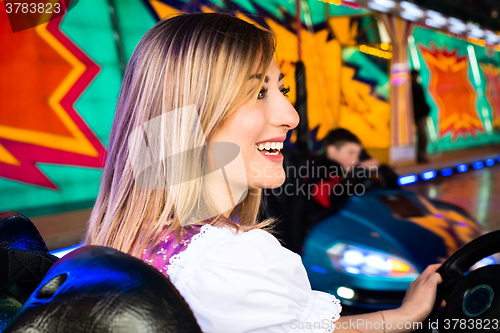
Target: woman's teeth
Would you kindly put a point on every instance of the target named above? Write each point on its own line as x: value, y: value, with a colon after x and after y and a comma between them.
x: 272, y: 148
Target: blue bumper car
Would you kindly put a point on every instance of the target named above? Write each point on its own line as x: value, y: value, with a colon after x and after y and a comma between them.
x: 368, y: 252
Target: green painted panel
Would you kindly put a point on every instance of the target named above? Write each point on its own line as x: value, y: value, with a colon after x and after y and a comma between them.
x: 449, y: 47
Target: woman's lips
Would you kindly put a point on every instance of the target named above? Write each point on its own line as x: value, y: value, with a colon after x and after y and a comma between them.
x: 276, y: 139
x: 274, y: 158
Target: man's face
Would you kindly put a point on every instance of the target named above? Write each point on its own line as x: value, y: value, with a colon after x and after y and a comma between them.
x: 347, y: 155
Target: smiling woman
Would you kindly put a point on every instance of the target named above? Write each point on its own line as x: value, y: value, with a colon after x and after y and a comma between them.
x: 259, y: 129
x: 200, y: 121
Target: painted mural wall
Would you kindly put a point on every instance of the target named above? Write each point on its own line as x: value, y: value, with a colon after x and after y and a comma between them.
x: 462, y: 84
x: 364, y: 103
x: 59, y: 84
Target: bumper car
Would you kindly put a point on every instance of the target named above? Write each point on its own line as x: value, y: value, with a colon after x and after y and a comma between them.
x: 98, y: 289
x: 368, y: 252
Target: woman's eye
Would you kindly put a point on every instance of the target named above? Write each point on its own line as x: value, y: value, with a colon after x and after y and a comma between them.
x: 262, y: 94
x: 285, y: 91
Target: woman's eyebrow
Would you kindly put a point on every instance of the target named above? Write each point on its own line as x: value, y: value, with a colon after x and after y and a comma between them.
x: 266, y: 79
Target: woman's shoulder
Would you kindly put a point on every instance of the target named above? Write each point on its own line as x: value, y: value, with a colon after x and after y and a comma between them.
x: 221, y: 246
x: 253, y: 247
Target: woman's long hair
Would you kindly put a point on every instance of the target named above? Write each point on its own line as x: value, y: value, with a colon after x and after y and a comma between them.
x: 203, y: 60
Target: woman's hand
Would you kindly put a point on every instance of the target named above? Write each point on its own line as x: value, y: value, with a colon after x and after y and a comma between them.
x: 420, y: 297
x: 416, y: 307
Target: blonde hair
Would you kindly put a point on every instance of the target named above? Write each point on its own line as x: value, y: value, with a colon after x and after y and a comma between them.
x: 202, y: 59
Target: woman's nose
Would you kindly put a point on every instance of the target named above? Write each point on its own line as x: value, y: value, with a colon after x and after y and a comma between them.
x: 285, y: 115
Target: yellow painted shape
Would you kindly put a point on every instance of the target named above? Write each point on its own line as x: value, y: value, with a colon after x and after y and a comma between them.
x: 249, y: 20
x: 162, y: 9
x: 7, y: 157
x: 363, y: 114
x: 344, y: 32
x: 205, y: 9
x: 322, y: 60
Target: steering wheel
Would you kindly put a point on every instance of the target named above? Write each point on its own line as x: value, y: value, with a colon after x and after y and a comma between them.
x: 471, y: 305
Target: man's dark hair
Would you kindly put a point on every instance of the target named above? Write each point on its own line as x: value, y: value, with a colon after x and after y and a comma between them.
x: 414, y: 73
x: 339, y: 137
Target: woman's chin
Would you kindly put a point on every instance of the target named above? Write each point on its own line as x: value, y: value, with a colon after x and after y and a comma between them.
x: 272, y: 183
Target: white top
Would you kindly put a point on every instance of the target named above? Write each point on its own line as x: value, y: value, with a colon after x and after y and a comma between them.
x: 248, y: 282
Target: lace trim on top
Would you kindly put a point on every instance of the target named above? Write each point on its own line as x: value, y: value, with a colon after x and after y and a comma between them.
x: 337, y: 309
x: 196, y: 248
x: 322, y: 305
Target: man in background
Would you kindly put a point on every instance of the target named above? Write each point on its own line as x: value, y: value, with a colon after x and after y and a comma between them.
x: 420, y: 112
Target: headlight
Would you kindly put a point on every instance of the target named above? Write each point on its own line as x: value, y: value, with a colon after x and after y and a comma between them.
x: 359, y: 260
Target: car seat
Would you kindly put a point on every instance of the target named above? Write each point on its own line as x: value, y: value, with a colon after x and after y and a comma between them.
x: 24, y: 260
x: 97, y: 289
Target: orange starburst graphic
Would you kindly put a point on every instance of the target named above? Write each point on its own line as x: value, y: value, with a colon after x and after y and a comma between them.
x: 492, y: 76
x: 453, y: 93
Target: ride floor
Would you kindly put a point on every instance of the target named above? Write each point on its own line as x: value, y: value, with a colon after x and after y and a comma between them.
x: 477, y: 191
